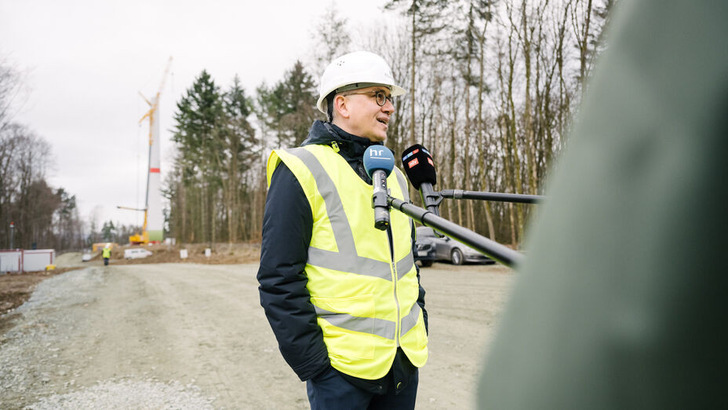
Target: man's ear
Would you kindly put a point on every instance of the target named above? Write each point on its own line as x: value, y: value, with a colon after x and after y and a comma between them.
x: 341, y: 107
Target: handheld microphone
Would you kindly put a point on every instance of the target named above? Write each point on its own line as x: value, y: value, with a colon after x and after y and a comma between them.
x: 420, y: 169
x: 378, y: 163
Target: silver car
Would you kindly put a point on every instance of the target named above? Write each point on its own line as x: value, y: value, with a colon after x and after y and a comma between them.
x: 437, y: 248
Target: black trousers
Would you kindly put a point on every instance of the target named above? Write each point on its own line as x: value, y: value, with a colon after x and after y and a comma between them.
x: 331, y: 391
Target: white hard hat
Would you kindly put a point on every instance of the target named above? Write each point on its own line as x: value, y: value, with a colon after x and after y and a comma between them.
x: 359, y: 69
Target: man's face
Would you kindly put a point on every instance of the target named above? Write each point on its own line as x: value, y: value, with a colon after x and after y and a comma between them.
x: 367, y: 119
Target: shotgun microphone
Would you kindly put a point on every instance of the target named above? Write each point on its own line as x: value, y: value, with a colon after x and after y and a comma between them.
x: 420, y: 169
x: 378, y: 163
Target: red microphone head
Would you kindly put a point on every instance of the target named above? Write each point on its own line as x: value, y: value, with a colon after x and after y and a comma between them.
x: 419, y: 166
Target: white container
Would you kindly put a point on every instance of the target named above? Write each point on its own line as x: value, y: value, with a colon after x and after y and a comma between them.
x: 20, y: 260
x: 11, y: 261
x: 36, y: 260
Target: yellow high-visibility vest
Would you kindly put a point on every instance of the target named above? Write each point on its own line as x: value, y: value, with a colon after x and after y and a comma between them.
x: 365, y: 300
x: 106, y: 253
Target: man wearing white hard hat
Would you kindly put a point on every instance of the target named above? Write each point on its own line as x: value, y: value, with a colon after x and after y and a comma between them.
x: 342, y: 297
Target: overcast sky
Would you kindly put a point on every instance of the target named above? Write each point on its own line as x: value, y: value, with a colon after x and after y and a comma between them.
x: 84, y: 63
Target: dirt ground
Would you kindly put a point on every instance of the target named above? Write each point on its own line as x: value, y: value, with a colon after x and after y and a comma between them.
x: 15, y: 289
x: 201, y: 327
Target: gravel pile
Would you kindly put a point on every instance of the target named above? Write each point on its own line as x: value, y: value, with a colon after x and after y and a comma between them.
x: 127, y: 394
x: 69, y: 259
x: 30, y: 369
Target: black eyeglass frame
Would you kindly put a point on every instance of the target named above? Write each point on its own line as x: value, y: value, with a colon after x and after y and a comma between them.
x: 380, y: 96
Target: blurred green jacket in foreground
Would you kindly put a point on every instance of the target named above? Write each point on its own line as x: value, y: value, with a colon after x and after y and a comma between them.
x: 623, y: 299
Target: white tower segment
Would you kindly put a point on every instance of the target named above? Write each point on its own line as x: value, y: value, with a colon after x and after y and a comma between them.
x: 153, y: 217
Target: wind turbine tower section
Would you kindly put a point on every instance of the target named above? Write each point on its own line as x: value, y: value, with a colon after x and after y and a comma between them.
x: 154, y: 219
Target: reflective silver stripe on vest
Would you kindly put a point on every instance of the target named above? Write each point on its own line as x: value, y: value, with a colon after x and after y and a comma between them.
x: 348, y: 263
x: 346, y: 259
x: 370, y: 325
x: 409, y: 321
x: 404, y: 265
x: 402, y: 185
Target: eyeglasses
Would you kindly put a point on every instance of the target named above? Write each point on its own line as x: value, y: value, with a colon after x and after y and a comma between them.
x: 378, y: 95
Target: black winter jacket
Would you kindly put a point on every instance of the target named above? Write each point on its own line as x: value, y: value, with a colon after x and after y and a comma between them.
x: 287, y: 228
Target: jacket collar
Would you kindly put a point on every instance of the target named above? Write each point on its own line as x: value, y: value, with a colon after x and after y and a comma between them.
x: 349, y: 145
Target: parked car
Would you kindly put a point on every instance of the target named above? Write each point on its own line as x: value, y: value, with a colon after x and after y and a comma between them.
x: 430, y: 247
x: 424, y: 249
x: 86, y: 257
x: 136, y: 253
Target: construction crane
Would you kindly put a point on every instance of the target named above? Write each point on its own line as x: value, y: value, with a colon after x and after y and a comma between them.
x: 138, y: 238
x: 153, y: 228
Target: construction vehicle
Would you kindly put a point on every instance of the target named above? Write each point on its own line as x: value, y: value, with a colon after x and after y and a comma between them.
x: 138, y: 238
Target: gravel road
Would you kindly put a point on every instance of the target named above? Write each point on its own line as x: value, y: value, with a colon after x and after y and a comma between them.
x: 187, y: 336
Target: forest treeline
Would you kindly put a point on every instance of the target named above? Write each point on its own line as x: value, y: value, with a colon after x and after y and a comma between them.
x: 492, y: 88
x: 32, y: 213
